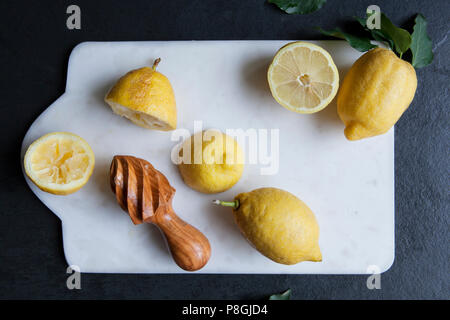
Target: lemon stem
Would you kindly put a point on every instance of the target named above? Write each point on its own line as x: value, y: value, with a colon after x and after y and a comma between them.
x: 155, y: 64
x: 234, y: 204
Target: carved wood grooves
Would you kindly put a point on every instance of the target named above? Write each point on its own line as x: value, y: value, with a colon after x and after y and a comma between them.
x: 146, y: 195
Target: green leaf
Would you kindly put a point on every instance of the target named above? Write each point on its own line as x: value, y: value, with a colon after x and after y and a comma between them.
x: 379, y: 36
x: 361, y: 44
x: 421, y: 45
x: 298, y: 6
x: 376, y: 34
x: 281, y: 296
x: 362, y: 21
x: 400, y: 37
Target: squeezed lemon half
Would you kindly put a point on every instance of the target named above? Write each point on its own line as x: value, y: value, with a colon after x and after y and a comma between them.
x: 59, y: 162
x: 303, y: 77
x: 145, y: 97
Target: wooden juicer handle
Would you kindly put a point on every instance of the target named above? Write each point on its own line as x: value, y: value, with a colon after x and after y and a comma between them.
x: 146, y: 195
x: 189, y: 247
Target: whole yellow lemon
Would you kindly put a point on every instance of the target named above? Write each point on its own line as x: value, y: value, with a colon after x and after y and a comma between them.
x: 211, y: 162
x: 278, y: 224
x: 376, y: 91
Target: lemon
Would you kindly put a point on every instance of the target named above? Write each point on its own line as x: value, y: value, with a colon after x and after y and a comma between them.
x: 375, y: 92
x: 278, y: 224
x: 303, y: 77
x: 59, y: 162
x: 211, y: 161
x: 145, y: 97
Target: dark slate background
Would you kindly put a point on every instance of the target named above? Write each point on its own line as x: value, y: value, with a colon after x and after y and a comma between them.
x: 35, y: 46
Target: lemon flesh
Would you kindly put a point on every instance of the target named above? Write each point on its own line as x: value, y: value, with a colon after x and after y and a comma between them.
x: 212, y: 161
x: 303, y: 77
x: 145, y: 97
x: 279, y: 225
x: 59, y: 162
x: 375, y: 92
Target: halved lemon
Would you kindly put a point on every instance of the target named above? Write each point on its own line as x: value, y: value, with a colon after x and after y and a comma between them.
x: 303, y: 77
x: 59, y: 162
x: 145, y: 97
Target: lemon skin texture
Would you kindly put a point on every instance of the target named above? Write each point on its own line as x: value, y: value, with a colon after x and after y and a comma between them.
x: 279, y: 225
x: 145, y: 97
x: 219, y: 165
x: 376, y: 91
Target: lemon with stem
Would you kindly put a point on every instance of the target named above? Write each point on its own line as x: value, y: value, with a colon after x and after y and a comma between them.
x: 277, y: 224
x: 145, y: 96
x: 375, y: 92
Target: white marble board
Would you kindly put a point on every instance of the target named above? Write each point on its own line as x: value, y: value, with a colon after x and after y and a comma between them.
x: 349, y: 185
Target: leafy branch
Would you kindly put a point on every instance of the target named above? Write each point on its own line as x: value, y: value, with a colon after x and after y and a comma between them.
x: 398, y: 39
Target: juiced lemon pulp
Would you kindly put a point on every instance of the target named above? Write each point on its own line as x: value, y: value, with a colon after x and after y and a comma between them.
x: 59, y: 162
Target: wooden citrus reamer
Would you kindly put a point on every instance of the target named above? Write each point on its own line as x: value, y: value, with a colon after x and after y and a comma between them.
x: 145, y: 193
